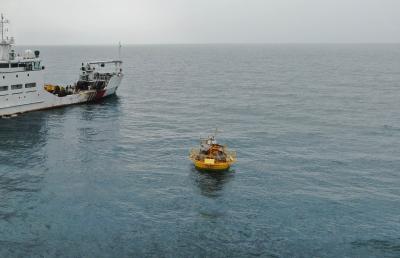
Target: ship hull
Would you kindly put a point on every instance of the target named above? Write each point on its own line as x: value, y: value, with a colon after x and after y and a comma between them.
x: 41, y: 99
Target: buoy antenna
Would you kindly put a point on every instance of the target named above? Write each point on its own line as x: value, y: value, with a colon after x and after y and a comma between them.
x: 216, y: 131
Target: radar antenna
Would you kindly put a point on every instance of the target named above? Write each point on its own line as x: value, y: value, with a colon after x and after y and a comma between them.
x: 3, y: 21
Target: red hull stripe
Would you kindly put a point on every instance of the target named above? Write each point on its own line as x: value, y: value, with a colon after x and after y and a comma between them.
x: 100, y: 94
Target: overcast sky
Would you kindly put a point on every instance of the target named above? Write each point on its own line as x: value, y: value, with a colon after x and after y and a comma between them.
x: 202, y: 21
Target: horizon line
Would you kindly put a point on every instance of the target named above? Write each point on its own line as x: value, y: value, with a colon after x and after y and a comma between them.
x: 216, y: 43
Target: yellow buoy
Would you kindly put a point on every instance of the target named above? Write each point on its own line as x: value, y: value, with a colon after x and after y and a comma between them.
x: 212, y: 156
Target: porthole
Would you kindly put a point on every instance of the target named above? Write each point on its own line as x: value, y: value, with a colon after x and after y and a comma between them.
x: 16, y: 75
x: 28, y: 74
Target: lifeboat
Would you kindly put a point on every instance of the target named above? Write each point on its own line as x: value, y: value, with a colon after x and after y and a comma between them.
x: 212, y: 156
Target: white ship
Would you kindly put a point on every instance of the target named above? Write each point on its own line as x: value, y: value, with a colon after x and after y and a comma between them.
x: 22, y: 86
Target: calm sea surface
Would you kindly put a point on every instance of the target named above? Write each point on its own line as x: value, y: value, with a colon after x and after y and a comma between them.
x: 316, y: 129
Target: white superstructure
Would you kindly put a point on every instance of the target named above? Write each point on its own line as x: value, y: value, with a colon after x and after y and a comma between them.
x: 22, y: 88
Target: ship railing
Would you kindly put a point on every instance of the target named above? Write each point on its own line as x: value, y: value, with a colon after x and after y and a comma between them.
x: 104, y: 77
x: 102, y: 64
x: 117, y: 63
x: 105, y: 62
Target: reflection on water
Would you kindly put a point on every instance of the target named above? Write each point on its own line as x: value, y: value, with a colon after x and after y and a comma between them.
x: 105, y: 112
x: 91, y: 110
x: 22, y: 138
x: 211, y: 184
x: 21, y: 154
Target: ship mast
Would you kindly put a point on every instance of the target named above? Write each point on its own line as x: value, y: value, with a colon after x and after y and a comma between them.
x: 119, y: 50
x: 5, y: 43
x: 2, y: 23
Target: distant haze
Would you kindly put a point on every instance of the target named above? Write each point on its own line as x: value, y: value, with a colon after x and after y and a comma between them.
x: 202, y: 21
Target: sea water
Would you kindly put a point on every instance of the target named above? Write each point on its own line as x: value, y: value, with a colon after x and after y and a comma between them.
x: 316, y: 129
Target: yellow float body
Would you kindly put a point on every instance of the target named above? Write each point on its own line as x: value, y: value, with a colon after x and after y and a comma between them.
x: 216, y: 166
x: 210, y: 164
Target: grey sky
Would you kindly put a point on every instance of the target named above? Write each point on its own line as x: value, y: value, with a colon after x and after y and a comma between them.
x: 202, y: 21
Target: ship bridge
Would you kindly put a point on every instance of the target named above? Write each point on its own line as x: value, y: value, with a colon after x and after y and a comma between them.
x: 12, y: 62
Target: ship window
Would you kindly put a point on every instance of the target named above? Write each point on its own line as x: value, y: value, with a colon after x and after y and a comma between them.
x: 28, y: 67
x: 13, y: 65
x: 16, y: 87
x: 4, y: 65
x: 3, y: 88
x: 36, y: 65
x: 22, y: 65
x: 30, y: 85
